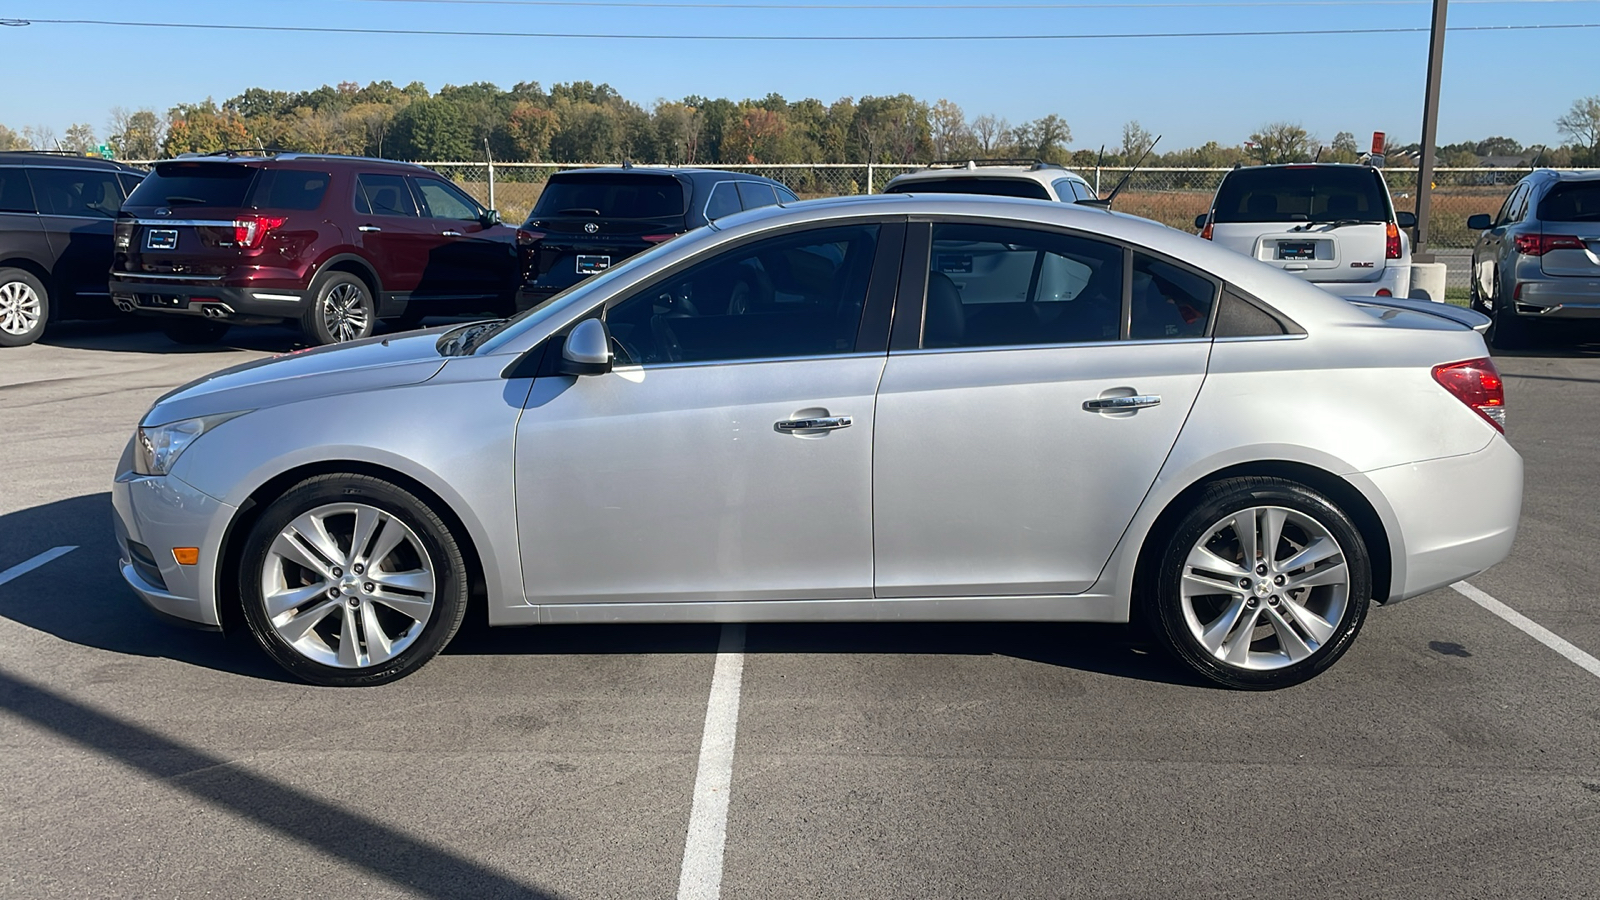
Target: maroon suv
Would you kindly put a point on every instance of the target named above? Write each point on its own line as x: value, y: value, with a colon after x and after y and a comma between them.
x: 332, y: 243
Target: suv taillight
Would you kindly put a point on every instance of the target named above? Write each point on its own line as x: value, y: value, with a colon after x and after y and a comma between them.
x: 250, y: 232
x: 1391, y: 246
x: 1206, y: 231
x: 1540, y: 244
x: 526, y: 238
x: 1476, y: 382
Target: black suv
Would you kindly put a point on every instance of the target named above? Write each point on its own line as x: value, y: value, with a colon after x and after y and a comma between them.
x: 56, y: 215
x: 589, y: 219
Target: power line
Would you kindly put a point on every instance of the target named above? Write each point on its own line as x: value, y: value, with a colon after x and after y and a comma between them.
x: 801, y: 38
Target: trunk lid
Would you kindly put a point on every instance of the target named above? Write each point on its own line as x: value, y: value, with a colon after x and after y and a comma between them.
x: 1322, y: 222
x: 1314, y: 251
x: 1572, y: 209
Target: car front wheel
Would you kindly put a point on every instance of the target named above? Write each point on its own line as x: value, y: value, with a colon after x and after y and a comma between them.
x: 1262, y: 584
x: 349, y: 580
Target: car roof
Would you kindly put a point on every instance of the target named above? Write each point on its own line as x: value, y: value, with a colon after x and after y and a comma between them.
x: 62, y: 161
x: 259, y: 159
x: 692, y: 172
x: 1569, y: 174
x: 1042, y: 173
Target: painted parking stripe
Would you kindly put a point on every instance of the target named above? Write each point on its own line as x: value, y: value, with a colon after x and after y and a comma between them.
x: 23, y: 568
x: 1533, y: 629
x: 701, y: 877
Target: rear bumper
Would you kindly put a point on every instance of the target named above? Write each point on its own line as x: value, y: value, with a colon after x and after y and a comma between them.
x: 242, y: 306
x: 1395, y: 278
x: 1559, y: 298
x: 1456, y: 516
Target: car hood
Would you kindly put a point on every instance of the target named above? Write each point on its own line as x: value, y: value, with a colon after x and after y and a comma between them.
x: 371, y: 364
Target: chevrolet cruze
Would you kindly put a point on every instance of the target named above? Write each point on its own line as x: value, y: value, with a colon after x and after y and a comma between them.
x: 894, y: 407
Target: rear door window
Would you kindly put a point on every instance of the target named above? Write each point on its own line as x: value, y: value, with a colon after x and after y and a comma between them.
x: 290, y: 189
x: 1572, y: 201
x: 611, y: 196
x: 441, y: 200
x: 15, y: 194
x: 80, y: 193
x: 1301, y: 194
x: 754, y: 195
x: 1168, y: 301
x: 724, y: 201
x: 384, y: 195
x: 213, y: 184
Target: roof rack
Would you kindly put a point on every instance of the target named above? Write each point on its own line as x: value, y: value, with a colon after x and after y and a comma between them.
x: 75, y: 154
x: 1031, y: 162
x: 272, y: 153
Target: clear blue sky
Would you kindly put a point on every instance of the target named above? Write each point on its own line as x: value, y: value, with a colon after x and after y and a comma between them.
x: 1189, y: 89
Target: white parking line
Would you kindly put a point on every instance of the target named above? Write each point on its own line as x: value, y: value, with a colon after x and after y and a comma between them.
x: 23, y: 568
x: 701, y: 877
x: 1533, y: 629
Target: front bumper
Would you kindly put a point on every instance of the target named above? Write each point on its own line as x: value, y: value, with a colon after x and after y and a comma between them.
x: 241, y: 306
x: 160, y: 513
x: 1456, y: 516
x: 1559, y: 298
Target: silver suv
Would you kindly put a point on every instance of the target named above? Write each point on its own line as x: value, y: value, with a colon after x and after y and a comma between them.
x: 1028, y: 178
x: 1539, y: 257
x: 1332, y: 224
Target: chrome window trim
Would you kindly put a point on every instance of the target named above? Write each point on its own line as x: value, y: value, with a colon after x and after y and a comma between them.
x: 1260, y: 337
x: 1000, y: 348
x: 701, y: 364
x: 705, y: 208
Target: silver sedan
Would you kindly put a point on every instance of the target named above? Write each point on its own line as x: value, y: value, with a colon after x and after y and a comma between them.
x: 895, y: 407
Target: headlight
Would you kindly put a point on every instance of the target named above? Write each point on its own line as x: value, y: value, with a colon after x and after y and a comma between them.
x: 157, y: 447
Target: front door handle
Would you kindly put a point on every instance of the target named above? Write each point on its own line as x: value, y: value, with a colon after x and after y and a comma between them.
x: 1122, y: 404
x: 820, y: 423
x: 368, y: 228
x: 451, y: 233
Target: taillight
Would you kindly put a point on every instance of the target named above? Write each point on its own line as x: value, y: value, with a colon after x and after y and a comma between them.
x: 1540, y: 244
x: 1206, y: 231
x: 526, y: 238
x: 1391, y: 246
x: 1383, y: 292
x: 251, y: 232
x: 656, y: 238
x: 1476, y: 382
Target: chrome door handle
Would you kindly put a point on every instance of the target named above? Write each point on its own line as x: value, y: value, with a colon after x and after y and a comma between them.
x: 368, y: 228
x: 451, y: 233
x: 821, y: 423
x: 1120, y: 404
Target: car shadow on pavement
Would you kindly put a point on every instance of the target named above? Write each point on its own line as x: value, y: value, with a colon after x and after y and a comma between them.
x: 81, y: 598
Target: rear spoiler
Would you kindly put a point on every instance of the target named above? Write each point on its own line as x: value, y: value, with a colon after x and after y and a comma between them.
x: 1460, y: 315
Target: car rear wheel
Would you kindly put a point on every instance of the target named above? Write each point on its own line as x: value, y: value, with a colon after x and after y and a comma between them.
x: 24, y: 308
x: 349, y: 580
x: 341, y: 310
x: 1507, y: 330
x: 194, y: 332
x: 1263, y: 584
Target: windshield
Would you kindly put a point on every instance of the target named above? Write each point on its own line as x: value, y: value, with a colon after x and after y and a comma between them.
x: 195, y: 184
x: 1302, y: 194
x: 1572, y: 201
x: 618, y: 196
x: 993, y: 187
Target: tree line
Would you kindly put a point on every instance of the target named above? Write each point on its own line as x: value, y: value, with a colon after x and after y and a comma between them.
x: 585, y: 122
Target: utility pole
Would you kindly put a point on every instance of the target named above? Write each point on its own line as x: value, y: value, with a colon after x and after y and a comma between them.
x: 1430, y: 128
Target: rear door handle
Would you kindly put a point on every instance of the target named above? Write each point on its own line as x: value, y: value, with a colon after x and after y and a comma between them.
x: 451, y: 233
x: 1122, y: 404
x: 820, y: 423
x: 368, y: 228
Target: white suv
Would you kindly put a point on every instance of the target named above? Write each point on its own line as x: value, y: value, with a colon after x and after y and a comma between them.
x: 1332, y: 224
x: 996, y: 177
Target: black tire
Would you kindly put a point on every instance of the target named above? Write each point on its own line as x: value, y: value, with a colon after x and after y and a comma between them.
x: 342, y: 309
x: 193, y: 332
x: 24, y: 308
x: 1508, y: 331
x: 260, y: 565
x: 1164, y: 606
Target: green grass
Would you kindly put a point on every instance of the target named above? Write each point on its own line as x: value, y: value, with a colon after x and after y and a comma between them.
x: 1456, y: 296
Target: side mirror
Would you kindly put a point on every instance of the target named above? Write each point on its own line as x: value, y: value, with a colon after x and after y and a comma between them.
x: 587, y: 350
x: 1405, y: 219
x: 490, y: 217
x: 1200, y: 220
x: 1480, y: 222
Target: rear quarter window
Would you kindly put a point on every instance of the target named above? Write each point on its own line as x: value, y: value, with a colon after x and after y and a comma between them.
x: 989, y: 187
x: 178, y: 184
x: 290, y: 189
x: 1571, y: 201
x: 1301, y: 194
x: 15, y: 194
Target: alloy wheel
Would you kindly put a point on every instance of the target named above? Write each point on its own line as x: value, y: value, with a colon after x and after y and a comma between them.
x: 348, y: 585
x: 344, y: 312
x: 1265, y: 588
x: 20, y: 308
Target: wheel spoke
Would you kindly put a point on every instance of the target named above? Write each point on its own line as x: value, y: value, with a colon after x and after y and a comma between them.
x: 379, y: 647
x: 1244, y: 526
x: 1289, y: 640
x: 1320, y: 629
x: 1334, y: 573
x: 389, y: 537
x: 315, y: 531
x: 1204, y: 584
x: 1217, y: 632
x: 1319, y: 549
x: 288, y: 545
x: 1271, y: 519
x: 290, y: 599
x: 411, y: 607
x: 417, y: 581
x: 1201, y: 558
x: 295, y: 629
x: 350, y: 640
x: 367, y: 522
x: 1236, y: 649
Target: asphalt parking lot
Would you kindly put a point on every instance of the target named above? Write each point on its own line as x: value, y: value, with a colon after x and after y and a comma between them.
x: 1449, y: 754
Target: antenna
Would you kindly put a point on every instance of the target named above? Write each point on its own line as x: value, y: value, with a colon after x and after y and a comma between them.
x: 1106, y: 203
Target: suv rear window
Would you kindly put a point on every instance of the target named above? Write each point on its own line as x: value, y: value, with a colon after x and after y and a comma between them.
x: 991, y: 187
x: 1572, y: 201
x: 1301, y: 194
x: 289, y: 189
x: 612, y: 197
x: 195, y: 184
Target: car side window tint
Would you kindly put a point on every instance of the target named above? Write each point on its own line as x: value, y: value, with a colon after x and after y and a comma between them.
x: 15, y: 194
x: 80, y: 193
x: 129, y: 182
x: 289, y: 189
x: 1506, y: 208
x: 995, y: 286
x: 1068, y: 190
x: 1168, y: 301
x: 384, y: 195
x: 797, y: 295
x: 444, y: 201
x: 1520, y: 210
x: 724, y: 201
x: 787, y: 196
x: 754, y: 195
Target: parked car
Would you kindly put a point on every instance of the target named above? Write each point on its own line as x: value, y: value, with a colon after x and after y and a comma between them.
x: 1537, y: 262
x: 1331, y: 224
x: 1029, y: 178
x: 331, y: 243
x: 56, y: 214
x: 588, y: 220
x: 943, y: 407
